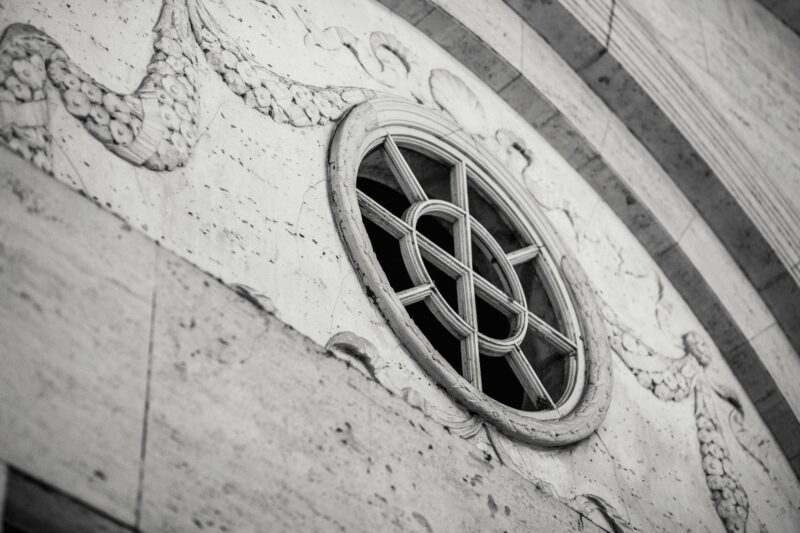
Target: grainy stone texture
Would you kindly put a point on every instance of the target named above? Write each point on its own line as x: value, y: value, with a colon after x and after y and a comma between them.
x: 315, y: 446
x: 72, y: 389
x: 237, y: 413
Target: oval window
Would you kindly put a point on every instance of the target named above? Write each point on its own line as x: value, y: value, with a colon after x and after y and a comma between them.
x: 468, y: 273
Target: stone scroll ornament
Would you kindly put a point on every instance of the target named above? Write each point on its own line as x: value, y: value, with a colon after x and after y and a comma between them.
x: 674, y: 380
x: 384, y: 58
x: 156, y: 126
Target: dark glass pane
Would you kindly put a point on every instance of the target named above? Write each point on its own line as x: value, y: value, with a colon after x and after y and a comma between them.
x: 548, y: 364
x: 500, y: 383
x: 377, y: 181
x: 442, y: 340
x: 535, y: 294
x: 434, y: 176
x: 492, y: 218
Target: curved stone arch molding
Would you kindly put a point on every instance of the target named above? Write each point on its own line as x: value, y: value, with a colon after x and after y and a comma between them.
x: 156, y: 126
x: 748, y: 322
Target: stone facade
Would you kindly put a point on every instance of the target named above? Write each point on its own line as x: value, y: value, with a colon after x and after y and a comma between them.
x: 188, y: 345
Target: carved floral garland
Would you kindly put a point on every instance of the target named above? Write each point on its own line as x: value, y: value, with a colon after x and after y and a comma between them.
x: 674, y: 381
x: 156, y: 126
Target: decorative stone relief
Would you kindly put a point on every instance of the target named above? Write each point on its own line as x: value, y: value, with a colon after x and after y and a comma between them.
x: 452, y: 95
x: 271, y: 94
x: 674, y: 380
x: 156, y: 125
x: 514, y: 152
x: 593, y: 507
x: 275, y: 6
x: 385, y: 58
x: 668, y: 379
x: 599, y: 510
x: 394, y: 65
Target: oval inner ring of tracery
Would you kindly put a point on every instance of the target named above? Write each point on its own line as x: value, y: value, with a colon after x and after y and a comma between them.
x: 463, y: 323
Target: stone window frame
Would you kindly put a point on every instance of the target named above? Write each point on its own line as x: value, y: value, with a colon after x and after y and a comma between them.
x: 388, y: 120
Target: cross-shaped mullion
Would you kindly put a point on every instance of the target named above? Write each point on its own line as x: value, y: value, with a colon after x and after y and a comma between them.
x: 465, y: 283
x: 454, y: 268
x: 402, y: 172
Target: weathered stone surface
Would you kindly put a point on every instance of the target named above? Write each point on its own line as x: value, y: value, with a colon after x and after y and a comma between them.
x: 75, y: 294
x: 252, y: 427
x: 499, y: 28
x: 784, y: 294
x: 251, y: 208
x: 694, y: 288
x: 627, y: 205
x: 487, y: 64
x: 526, y: 100
x: 578, y: 46
x: 305, y: 431
x: 413, y: 10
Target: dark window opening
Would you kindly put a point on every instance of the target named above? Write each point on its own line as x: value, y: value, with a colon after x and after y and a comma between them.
x: 433, y: 175
x: 498, y: 380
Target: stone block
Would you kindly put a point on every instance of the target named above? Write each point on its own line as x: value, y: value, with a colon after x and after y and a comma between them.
x: 411, y: 10
x: 468, y: 48
x: 781, y: 421
x: 782, y: 295
x: 782, y: 362
x: 687, y: 168
x: 254, y: 428
x: 75, y: 296
x: 725, y: 278
x: 557, y: 25
x: 750, y: 371
x: 526, y: 100
x: 497, y: 25
x: 567, y: 140
x: 701, y: 298
x: 627, y: 206
x: 615, y: 86
x: 640, y: 172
